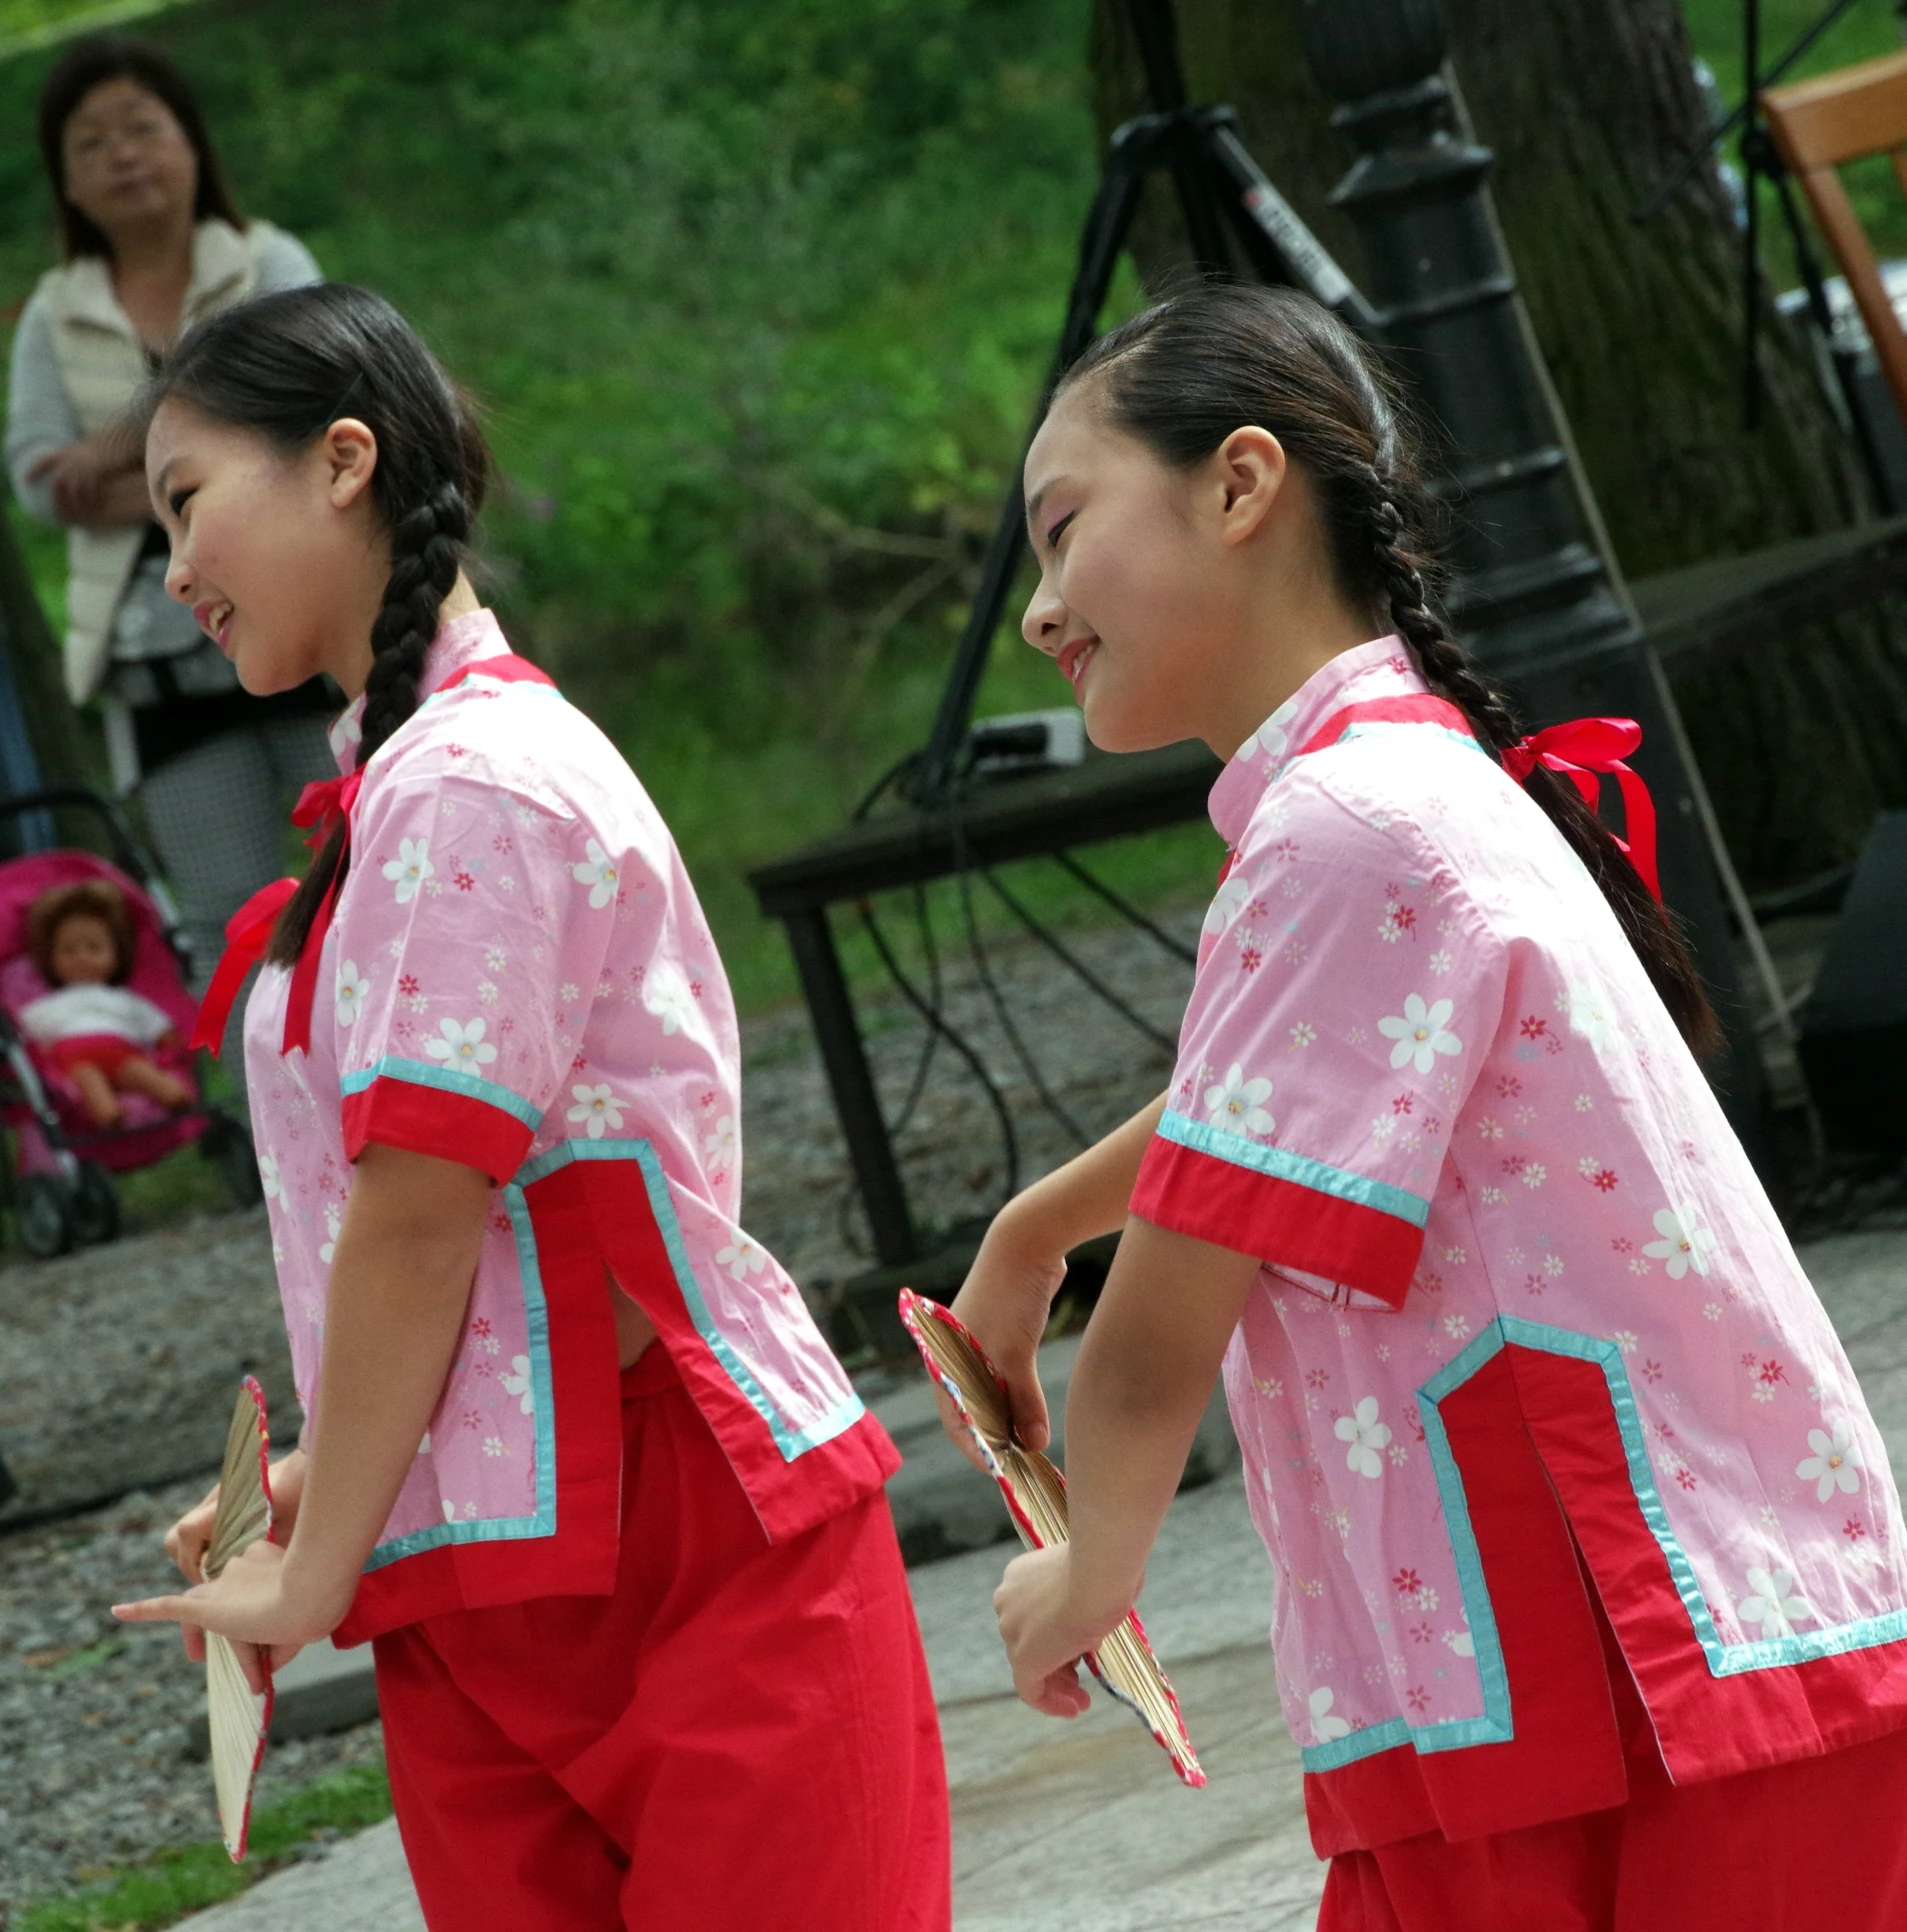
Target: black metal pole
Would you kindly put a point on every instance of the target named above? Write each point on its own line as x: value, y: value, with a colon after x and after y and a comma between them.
x: 856, y: 1103
x: 1532, y: 592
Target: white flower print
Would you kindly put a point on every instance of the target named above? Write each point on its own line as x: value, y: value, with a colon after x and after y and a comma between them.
x: 598, y: 872
x: 1367, y: 1436
x: 410, y: 868
x: 1324, y: 1727
x: 1685, y: 1242
x: 1835, y: 1464
x: 333, y: 1221
x: 1420, y: 1033
x: 1770, y: 1605
x: 1591, y: 1015
x: 518, y: 1383
x: 1226, y: 903
x: 351, y: 989
x: 1237, y: 1104
x: 741, y: 1258
x: 719, y: 1142
x: 463, y: 1046
x: 595, y: 1108
x: 666, y: 994
x: 270, y: 1179
x: 1461, y: 1641
x: 1270, y: 737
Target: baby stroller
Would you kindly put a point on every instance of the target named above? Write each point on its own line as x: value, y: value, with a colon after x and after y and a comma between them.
x: 62, y: 1165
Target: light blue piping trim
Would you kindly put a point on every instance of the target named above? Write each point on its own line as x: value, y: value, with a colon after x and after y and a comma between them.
x: 499, y: 1529
x: 473, y: 1086
x: 1495, y: 1726
x: 1724, y: 1660
x: 1381, y: 727
x: 1281, y: 1164
x: 790, y: 1441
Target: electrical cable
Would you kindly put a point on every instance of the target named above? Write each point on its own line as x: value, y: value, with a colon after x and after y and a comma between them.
x: 1057, y: 948
x: 1048, y: 1099
x: 1125, y: 908
x: 1009, y: 1140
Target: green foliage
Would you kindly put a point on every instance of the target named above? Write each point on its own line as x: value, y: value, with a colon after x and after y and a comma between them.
x: 188, y: 1878
x: 1864, y: 32
x: 758, y: 293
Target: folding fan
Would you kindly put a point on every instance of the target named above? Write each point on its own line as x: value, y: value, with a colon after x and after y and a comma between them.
x: 237, y: 1716
x: 1035, y: 1493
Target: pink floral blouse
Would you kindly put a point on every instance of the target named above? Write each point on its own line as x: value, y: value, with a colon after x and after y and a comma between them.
x: 1530, y: 1360
x: 518, y: 978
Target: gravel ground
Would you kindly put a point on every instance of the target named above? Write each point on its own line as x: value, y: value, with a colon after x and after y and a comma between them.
x: 93, y: 1714
x: 117, y: 1366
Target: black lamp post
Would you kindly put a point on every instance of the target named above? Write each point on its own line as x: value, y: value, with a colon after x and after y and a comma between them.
x: 1533, y: 590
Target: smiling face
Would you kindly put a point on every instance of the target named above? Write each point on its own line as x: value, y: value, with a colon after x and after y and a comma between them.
x: 1180, y: 603
x: 126, y: 161
x: 280, y: 557
x: 1127, y: 605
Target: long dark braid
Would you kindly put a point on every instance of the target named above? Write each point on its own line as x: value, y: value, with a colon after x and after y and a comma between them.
x: 288, y: 366
x: 1184, y: 375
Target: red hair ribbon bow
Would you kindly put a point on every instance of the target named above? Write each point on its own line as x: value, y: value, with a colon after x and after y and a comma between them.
x: 321, y: 805
x: 247, y: 934
x: 1583, y: 751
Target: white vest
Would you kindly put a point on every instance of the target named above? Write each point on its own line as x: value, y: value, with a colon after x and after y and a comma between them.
x: 103, y: 366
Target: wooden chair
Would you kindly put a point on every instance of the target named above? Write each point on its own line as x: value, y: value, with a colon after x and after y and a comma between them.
x: 1819, y: 125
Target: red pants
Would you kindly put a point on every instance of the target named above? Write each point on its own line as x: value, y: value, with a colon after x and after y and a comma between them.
x: 1816, y: 1846
x: 743, y: 1736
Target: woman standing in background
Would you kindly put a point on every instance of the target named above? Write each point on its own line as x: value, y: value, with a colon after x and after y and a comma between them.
x: 153, y: 241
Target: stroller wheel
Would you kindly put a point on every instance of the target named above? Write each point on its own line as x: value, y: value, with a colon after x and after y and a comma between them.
x: 45, y: 1211
x: 95, y: 1206
x: 229, y: 1148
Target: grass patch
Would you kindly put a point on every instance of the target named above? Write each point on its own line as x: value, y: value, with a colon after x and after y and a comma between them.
x: 187, y: 1878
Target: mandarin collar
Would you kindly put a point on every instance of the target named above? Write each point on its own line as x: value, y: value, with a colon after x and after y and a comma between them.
x: 1380, y: 669
x: 463, y: 641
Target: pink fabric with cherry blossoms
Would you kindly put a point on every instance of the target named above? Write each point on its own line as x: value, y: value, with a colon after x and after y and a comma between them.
x: 518, y: 977
x: 1426, y: 1079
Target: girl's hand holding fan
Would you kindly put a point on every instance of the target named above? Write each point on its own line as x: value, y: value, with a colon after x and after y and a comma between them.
x: 1035, y: 1495
x: 239, y: 1568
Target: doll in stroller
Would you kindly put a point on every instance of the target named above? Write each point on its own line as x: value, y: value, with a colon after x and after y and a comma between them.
x: 79, y: 1110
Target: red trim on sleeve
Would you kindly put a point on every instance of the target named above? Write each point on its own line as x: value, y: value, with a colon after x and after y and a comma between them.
x: 1280, y: 1221
x: 427, y: 1120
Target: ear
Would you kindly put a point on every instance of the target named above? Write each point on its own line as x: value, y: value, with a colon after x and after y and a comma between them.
x: 1250, y: 468
x: 349, y: 451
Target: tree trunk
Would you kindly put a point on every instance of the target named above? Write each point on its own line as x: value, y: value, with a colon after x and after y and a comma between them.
x: 1587, y: 103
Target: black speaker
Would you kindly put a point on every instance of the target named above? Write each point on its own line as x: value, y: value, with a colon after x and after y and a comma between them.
x: 1854, y: 1025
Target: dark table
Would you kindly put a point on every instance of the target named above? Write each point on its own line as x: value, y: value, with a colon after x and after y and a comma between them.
x: 1695, y: 618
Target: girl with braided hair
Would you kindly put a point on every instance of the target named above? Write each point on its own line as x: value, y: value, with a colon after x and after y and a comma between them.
x: 1592, y: 1581
x: 576, y: 1461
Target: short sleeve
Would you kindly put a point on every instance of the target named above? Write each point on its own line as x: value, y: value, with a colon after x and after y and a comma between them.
x: 1347, y: 993
x: 464, y: 958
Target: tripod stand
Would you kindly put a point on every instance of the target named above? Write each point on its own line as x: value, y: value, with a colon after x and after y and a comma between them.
x: 1221, y: 190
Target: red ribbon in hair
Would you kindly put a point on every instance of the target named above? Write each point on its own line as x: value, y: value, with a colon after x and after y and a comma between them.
x: 247, y: 934
x: 323, y: 805
x: 1584, y: 751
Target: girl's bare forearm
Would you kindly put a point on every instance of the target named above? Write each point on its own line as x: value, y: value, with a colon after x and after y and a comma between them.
x: 1145, y: 1371
x: 1089, y: 1195
x: 406, y: 1257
